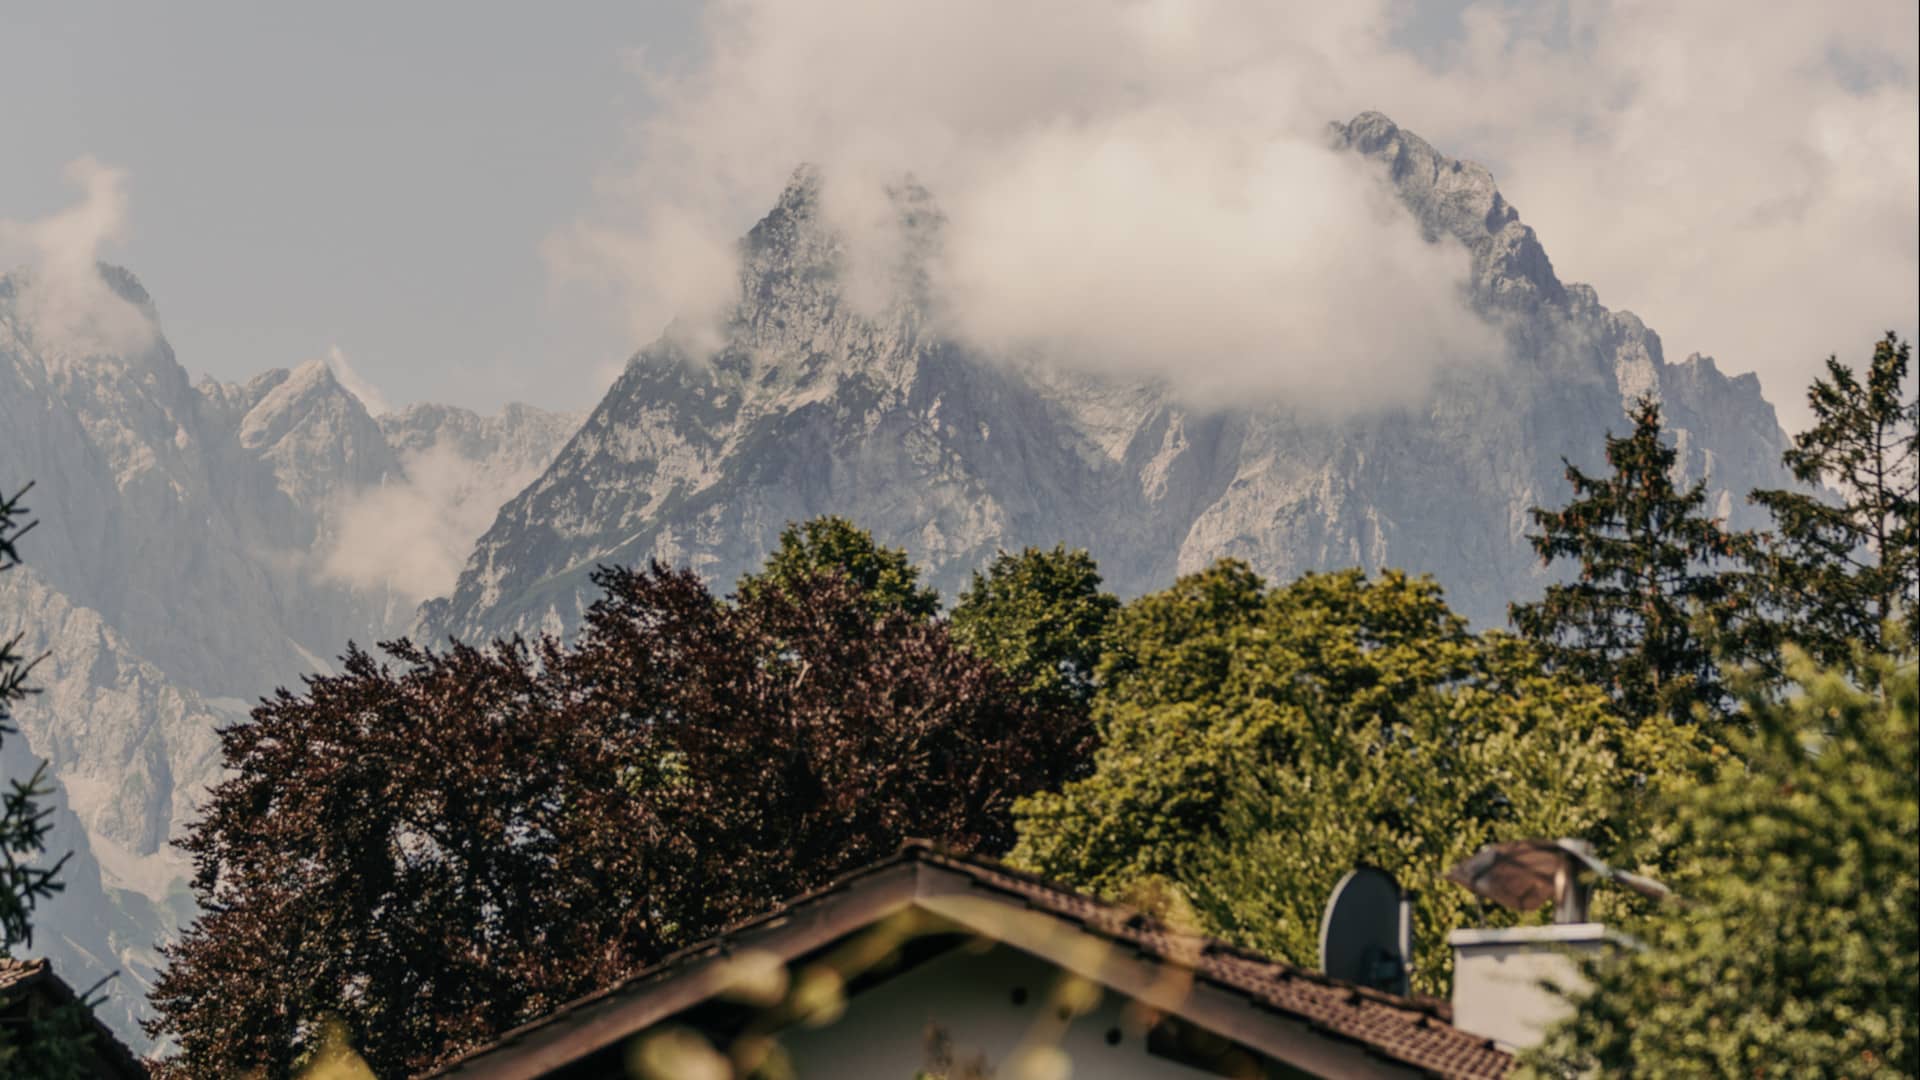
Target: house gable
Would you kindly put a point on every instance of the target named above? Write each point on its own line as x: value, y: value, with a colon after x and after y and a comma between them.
x: 925, y: 932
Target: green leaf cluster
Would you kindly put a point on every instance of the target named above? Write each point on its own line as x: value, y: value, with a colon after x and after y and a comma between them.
x: 1040, y: 617
x: 1260, y: 741
x: 1796, y: 951
x: 837, y: 547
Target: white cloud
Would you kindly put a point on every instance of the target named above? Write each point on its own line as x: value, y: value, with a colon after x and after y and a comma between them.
x: 412, y: 536
x: 1745, y: 177
x: 1143, y: 181
x: 356, y: 384
x: 1144, y: 187
x: 60, y: 295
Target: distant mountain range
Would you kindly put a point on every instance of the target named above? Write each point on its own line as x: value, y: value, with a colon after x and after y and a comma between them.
x: 813, y: 407
x: 202, y: 544
x: 186, y: 562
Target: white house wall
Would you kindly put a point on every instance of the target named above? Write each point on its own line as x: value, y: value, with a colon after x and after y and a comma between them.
x: 884, y: 1031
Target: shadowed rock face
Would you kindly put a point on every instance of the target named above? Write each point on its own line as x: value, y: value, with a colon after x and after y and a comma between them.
x: 812, y: 407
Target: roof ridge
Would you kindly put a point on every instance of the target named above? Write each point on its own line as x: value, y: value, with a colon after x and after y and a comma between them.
x: 1210, y: 944
x: 1260, y: 979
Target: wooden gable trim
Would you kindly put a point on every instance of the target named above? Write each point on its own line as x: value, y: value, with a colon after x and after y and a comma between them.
x: 1170, y: 988
x: 949, y: 899
x: 672, y: 988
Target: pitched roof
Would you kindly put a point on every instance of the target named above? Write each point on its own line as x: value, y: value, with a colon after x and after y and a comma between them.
x: 31, y: 976
x: 1397, y: 1034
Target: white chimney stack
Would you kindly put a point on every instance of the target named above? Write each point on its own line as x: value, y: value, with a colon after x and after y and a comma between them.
x: 1501, y: 978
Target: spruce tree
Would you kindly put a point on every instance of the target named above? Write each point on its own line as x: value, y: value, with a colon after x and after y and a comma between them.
x: 53, y: 1043
x: 1651, y: 615
x: 23, y: 821
x: 1844, y: 571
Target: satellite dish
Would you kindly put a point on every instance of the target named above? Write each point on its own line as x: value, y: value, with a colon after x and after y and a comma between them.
x: 1366, y: 936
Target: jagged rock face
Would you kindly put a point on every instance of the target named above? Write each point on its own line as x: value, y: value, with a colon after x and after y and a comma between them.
x: 813, y: 407
x: 178, y: 573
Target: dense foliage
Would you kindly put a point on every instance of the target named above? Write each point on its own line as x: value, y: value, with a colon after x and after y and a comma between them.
x: 1041, y: 617
x: 435, y: 851
x: 886, y: 579
x: 1797, y: 952
x: 1260, y: 741
x: 1657, y: 605
x: 1844, y: 569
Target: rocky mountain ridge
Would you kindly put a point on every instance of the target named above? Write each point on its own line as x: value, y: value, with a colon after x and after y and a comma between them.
x: 813, y: 405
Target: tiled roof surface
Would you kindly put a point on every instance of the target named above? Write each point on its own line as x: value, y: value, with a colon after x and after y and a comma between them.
x: 15, y: 972
x: 109, y: 1052
x: 1415, y: 1032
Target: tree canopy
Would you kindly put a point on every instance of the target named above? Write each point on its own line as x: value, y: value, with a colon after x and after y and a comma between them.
x: 439, y: 846
x: 1259, y: 741
x: 1796, y: 951
x: 886, y: 579
x: 1041, y: 617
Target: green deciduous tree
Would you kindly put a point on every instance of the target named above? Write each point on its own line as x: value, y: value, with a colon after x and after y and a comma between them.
x: 1846, y: 571
x: 1041, y: 617
x: 833, y: 545
x: 1258, y: 743
x: 1652, y: 613
x: 1797, y: 950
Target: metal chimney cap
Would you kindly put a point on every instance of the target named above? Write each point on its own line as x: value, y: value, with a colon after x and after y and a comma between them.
x: 1524, y: 874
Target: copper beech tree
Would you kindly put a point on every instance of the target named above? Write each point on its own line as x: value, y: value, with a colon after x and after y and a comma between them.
x: 428, y: 849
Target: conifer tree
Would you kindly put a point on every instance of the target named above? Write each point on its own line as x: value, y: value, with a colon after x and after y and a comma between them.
x: 1839, y: 572
x: 52, y: 1043
x: 1651, y: 615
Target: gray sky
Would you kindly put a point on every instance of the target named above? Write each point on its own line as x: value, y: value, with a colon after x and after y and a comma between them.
x: 482, y: 202
x: 375, y: 177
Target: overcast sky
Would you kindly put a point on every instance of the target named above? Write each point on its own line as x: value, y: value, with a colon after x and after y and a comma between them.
x: 481, y: 202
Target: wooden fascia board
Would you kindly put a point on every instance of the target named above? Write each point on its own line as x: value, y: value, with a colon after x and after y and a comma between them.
x: 633, y: 1009
x: 954, y: 899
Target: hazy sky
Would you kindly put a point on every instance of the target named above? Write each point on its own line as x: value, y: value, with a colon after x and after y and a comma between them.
x: 481, y: 202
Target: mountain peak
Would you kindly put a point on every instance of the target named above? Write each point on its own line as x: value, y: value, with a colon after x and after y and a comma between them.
x: 1453, y: 197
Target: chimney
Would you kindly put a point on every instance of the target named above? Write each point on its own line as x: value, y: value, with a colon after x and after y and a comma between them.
x: 1501, y: 977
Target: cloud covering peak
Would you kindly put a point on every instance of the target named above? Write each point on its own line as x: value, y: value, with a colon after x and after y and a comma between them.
x: 1143, y: 184
x: 61, y: 296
